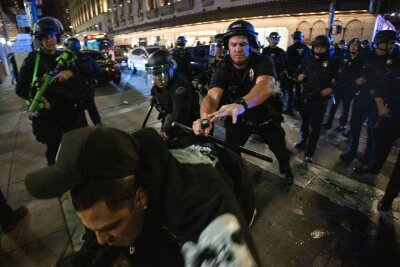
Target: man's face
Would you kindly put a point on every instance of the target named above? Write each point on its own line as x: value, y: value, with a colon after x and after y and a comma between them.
x: 319, y: 49
x: 161, y: 80
x: 387, y: 46
x: 49, y: 41
x: 273, y: 41
x: 116, y: 228
x: 239, y: 50
x: 353, y: 48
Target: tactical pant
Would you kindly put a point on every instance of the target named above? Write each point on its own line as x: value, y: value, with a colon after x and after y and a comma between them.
x: 340, y: 95
x: 312, y: 115
x: 55, y: 122
x: 362, y: 110
x: 272, y: 134
x: 387, y: 132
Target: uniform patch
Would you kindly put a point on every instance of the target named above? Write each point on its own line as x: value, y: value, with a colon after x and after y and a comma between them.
x: 251, y: 74
x: 180, y: 90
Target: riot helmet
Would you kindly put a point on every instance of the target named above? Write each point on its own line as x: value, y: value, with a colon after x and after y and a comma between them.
x: 366, y: 44
x: 241, y: 27
x: 356, y: 41
x: 342, y: 44
x: 47, y: 26
x: 160, y: 68
x: 216, y: 45
x: 73, y: 44
x: 298, y: 36
x: 384, y: 36
x: 321, y: 40
x: 181, y: 41
x: 274, y: 39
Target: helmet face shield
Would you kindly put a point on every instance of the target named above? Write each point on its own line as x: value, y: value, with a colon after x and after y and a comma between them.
x: 159, y: 75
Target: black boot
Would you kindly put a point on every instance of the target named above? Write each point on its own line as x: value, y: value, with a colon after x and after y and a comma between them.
x: 14, y: 218
x: 301, y: 144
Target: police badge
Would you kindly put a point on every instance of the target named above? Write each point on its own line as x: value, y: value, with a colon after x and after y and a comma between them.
x: 389, y: 61
x: 251, y: 74
x: 325, y: 64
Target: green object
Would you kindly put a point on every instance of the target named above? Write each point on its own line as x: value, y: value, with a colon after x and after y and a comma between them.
x: 46, y: 81
x: 66, y: 60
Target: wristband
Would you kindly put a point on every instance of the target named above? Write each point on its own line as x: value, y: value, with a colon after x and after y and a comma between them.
x: 242, y: 102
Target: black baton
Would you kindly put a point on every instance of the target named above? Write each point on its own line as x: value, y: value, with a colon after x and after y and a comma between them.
x: 224, y: 143
x: 147, y: 115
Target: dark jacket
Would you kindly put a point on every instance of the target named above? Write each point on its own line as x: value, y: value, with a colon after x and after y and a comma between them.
x: 183, y: 199
x: 178, y: 102
x: 296, y: 53
x: 279, y: 57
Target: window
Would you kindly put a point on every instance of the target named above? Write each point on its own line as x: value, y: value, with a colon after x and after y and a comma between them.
x: 150, y: 4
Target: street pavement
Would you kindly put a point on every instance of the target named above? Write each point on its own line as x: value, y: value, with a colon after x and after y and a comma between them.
x: 327, y: 218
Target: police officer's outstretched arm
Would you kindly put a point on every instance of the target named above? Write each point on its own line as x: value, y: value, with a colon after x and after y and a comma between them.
x: 257, y: 95
x: 208, y: 105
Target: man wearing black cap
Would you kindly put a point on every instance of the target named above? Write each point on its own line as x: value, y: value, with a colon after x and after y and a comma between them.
x: 243, y: 89
x: 146, y: 202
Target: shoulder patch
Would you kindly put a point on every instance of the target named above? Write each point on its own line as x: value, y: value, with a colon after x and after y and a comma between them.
x: 180, y: 90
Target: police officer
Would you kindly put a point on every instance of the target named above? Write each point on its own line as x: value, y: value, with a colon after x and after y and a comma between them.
x: 278, y: 54
x: 90, y: 70
x: 316, y: 73
x: 242, y: 89
x: 174, y: 97
x: 295, y: 53
x: 387, y: 99
x: 182, y: 59
x: 340, y: 50
x: 348, y: 71
x: 217, y: 58
x: 59, y: 114
x: 366, y: 46
x: 378, y: 62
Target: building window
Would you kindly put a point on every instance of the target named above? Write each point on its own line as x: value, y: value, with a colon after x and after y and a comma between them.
x: 150, y: 4
x: 165, y: 2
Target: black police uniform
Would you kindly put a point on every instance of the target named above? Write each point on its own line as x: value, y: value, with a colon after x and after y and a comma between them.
x: 364, y: 106
x: 388, y: 130
x: 178, y: 102
x: 49, y: 125
x: 319, y: 74
x: 264, y: 119
x: 182, y: 59
x: 211, y: 67
x: 279, y: 57
x: 344, y: 88
x: 295, y: 54
x: 90, y: 70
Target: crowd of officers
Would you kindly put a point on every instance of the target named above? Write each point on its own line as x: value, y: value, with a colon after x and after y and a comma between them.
x: 252, y: 87
x: 246, y: 88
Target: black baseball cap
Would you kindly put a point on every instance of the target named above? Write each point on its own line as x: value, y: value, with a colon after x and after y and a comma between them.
x: 86, y: 155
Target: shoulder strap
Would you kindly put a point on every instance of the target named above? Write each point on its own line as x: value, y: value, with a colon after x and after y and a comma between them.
x: 35, y: 70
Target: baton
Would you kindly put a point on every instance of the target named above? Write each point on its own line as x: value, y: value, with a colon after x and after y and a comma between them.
x: 147, y: 115
x: 224, y: 143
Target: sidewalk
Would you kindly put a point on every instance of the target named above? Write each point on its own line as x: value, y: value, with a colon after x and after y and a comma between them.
x: 328, y: 218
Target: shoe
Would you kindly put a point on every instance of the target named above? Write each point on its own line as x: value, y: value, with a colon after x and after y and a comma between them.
x: 365, y: 169
x: 289, y: 177
x: 341, y: 128
x: 347, y: 157
x: 307, y: 159
x: 301, y: 144
x: 384, y: 206
x: 326, y: 126
x: 346, y: 134
x: 15, y: 217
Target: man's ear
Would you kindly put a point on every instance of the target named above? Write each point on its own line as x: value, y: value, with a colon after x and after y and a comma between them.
x: 141, y: 197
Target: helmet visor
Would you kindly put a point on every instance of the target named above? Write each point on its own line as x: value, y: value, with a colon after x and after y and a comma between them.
x: 158, y: 75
